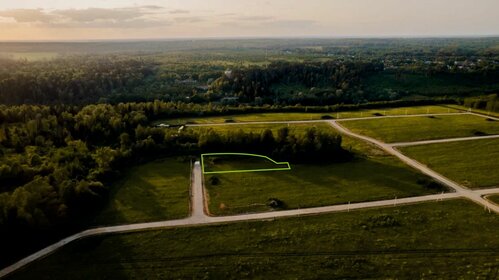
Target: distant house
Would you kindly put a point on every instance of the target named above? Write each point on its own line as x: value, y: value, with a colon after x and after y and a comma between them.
x: 228, y: 73
x: 163, y: 125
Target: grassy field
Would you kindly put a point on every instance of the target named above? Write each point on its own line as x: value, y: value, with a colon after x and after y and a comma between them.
x: 259, y: 128
x: 471, y: 163
x: 154, y: 191
x: 372, y: 175
x: 494, y: 198
x: 423, y: 128
x: 310, y: 116
x: 407, y: 242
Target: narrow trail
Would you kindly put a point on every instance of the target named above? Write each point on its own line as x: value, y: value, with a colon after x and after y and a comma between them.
x: 198, y: 215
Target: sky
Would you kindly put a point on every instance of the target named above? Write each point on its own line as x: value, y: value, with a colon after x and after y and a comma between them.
x: 30, y: 20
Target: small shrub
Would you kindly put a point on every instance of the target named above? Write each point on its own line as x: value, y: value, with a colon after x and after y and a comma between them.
x: 275, y: 203
x: 430, y: 184
x: 478, y: 132
x: 214, y: 180
x: 490, y: 120
x: 326, y: 117
x: 378, y: 114
x: 380, y: 221
x: 229, y: 121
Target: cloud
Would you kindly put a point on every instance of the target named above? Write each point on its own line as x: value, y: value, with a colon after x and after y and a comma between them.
x: 95, y: 14
x: 255, y: 18
x: 128, y: 17
x: 27, y: 15
x: 189, y: 19
x: 150, y: 16
x: 290, y: 24
x: 179, y: 11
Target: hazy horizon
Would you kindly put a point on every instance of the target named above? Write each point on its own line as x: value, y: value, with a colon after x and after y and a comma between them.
x: 125, y: 20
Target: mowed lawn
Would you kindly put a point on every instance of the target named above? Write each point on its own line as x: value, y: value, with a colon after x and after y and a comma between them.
x: 260, y: 117
x: 153, y: 191
x: 372, y: 175
x: 474, y: 163
x: 392, y: 130
x: 404, y: 242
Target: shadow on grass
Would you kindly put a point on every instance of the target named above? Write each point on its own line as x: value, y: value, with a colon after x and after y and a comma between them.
x: 135, y: 199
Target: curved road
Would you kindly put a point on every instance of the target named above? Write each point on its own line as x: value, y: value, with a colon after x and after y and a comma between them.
x: 199, y: 218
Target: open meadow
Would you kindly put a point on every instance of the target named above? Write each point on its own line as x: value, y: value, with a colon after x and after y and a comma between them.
x: 473, y: 164
x: 263, y: 117
x: 392, y: 130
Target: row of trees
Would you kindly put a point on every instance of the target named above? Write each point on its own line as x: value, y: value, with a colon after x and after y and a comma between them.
x: 488, y: 103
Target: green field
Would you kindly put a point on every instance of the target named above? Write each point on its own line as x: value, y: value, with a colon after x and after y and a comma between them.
x: 407, y: 242
x: 153, y: 191
x: 391, y: 130
x: 494, y: 198
x: 372, y: 175
x: 310, y: 116
x: 259, y: 128
x: 473, y: 164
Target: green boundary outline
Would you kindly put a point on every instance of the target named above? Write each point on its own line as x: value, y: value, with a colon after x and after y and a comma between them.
x: 244, y: 171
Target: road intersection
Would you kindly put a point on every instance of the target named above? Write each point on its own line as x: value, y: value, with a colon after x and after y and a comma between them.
x: 199, y: 217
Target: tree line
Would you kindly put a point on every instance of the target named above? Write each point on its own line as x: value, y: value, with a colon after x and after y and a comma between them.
x: 488, y: 103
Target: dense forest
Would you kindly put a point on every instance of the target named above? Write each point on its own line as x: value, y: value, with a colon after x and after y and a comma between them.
x: 336, y: 82
x: 253, y: 72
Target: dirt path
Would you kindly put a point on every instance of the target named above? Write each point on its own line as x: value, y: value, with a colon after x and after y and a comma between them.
x: 426, y: 142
